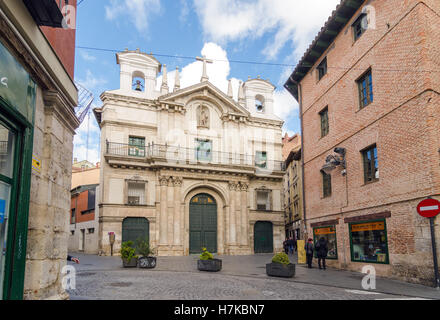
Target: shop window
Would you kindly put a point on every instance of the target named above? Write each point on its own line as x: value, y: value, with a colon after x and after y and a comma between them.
x: 136, y: 193
x: 329, y: 234
x: 368, y: 242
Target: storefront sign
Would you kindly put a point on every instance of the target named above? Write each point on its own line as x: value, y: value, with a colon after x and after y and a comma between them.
x: 321, y: 231
x: 370, y: 226
x: 301, y: 252
x: 16, y: 86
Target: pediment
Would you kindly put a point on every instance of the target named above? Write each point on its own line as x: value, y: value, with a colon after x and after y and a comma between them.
x: 208, y: 92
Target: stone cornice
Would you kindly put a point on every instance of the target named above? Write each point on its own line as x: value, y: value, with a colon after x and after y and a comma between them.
x: 53, y: 100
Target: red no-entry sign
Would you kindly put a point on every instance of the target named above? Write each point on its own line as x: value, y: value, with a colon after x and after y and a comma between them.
x: 428, y: 208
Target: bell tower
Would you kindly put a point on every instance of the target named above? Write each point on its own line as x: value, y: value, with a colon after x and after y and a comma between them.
x: 138, y: 73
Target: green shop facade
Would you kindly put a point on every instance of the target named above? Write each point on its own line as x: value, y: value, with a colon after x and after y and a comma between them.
x: 17, y: 110
x: 367, y: 237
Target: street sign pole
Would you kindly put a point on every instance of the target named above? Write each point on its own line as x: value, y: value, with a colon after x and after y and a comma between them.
x: 434, y: 253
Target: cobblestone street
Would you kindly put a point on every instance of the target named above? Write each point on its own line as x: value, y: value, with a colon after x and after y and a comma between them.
x: 242, y: 278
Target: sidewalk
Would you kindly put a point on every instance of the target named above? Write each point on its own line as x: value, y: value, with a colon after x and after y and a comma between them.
x: 255, y: 266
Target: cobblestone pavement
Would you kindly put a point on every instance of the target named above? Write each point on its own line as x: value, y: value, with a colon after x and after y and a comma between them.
x: 242, y: 278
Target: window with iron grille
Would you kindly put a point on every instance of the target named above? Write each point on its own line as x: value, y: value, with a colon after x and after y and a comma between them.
x: 326, y: 184
x: 371, y: 165
x: 136, y: 146
x: 322, y: 68
x: 365, y: 86
x: 136, y: 193
x: 324, y: 122
x: 360, y: 26
x: 263, y: 200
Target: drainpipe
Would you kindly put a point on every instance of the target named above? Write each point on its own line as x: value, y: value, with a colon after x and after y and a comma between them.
x: 302, y: 160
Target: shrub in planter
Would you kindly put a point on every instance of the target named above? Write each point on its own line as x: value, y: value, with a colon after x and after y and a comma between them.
x: 128, y: 255
x: 280, y: 266
x: 147, y: 259
x: 208, y: 263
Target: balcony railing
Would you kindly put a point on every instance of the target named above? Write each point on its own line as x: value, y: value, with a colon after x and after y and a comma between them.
x: 180, y: 155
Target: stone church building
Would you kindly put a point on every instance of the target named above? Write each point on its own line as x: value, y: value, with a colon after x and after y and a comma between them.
x: 189, y: 167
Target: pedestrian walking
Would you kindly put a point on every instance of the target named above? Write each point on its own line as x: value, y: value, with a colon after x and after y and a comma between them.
x: 286, y: 246
x: 291, y: 244
x: 309, y: 252
x: 321, y: 248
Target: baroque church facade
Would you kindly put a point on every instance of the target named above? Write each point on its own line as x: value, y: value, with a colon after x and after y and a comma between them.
x: 189, y: 167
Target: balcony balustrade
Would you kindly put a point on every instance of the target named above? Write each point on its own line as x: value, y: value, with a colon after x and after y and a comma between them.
x: 180, y: 155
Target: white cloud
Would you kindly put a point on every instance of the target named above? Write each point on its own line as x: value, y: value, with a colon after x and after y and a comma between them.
x: 218, y: 72
x: 91, y: 82
x: 87, y: 131
x: 137, y: 10
x: 86, y: 56
x: 292, y: 21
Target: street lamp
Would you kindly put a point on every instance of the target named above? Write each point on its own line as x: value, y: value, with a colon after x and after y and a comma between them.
x: 333, y: 161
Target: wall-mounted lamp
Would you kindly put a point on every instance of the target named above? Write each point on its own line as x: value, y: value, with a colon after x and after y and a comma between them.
x: 333, y: 161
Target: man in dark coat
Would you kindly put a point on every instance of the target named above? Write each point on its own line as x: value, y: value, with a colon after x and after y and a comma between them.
x: 321, y: 248
x: 286, y: 246
x: 309, y: 252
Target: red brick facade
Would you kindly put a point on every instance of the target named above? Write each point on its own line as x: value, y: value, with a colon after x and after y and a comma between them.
x: 403, y: 121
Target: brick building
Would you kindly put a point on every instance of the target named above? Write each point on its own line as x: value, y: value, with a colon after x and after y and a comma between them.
x: 368, y: 89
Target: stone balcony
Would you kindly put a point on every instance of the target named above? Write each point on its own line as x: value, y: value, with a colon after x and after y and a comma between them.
x: 156, y: 155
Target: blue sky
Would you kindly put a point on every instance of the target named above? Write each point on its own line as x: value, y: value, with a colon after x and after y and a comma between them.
x: 272, y: 31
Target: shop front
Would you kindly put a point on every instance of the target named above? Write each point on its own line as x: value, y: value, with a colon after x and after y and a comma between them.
x: 368, y: 242
x: 17, y: 108
x: 329, y: 234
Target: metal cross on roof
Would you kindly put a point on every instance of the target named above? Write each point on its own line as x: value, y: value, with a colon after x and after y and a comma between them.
x: 205, y: 61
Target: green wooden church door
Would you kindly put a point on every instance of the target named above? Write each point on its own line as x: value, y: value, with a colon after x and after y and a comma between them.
x: 135, y: 228
x: 202, y: 224
x: 263, y: 237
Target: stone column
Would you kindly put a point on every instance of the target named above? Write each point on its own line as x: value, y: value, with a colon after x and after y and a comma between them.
x: 232, y: 213
x: 170, y: 211
x: 177, y: 211
x: 163, y: 225
x: 244, y: 214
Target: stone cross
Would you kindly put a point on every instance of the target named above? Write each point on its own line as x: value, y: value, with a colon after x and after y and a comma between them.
x: 205, y: 61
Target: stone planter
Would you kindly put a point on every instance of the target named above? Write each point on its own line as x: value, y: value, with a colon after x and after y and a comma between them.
x: 212, y: 265
x: 130, y: 264
x: 147, y: 262
x: 280, y: 270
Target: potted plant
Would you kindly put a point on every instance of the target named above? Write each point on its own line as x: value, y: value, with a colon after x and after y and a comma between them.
x: 146, y: 259
x: 208, y: 263
x: 280, y: 266
x: 128, y: 255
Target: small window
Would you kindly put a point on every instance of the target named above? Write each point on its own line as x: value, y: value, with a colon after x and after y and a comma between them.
x: 203, y: 150
x: 73, y: 216
x: 326, y: 184
x: 324, y: 122
x: 136, y: 146
x: 72, y: 232
x: 365, y: 87
x: 263, y: 200
x: 261, y: 159
x: 371, y: 165
x: 360, y: 26
x: 91, y: 230
x: 136, y: 193
x: 322, y: 68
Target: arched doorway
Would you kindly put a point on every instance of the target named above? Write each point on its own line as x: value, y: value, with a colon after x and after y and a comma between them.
x: 202, y: 224
x: 263, y: 237
x: 135, y: 228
